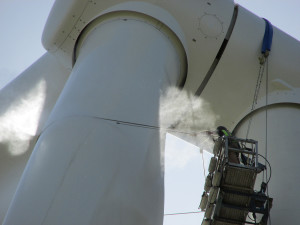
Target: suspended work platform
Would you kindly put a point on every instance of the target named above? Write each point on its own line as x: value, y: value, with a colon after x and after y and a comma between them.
x: 229, y: 197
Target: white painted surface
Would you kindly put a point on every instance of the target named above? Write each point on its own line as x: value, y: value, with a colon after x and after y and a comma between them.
x: 239, y: 65
x: 191, y: 21
x: 26, y: 103
x: 230, y: 90
x: 86, y: 170
x: 283, y: 153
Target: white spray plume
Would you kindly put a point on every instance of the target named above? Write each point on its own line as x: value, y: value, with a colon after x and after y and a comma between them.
x: 187, y: 117
x: 20, y: 120
x: 182, y: 111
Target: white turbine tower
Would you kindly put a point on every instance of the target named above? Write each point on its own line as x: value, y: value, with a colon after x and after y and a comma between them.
x: 97, y: 156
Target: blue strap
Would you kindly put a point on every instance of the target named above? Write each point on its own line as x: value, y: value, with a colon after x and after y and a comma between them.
x: 268, y: 37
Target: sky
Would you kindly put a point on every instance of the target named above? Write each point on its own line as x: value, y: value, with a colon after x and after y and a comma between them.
x: 22, y: 23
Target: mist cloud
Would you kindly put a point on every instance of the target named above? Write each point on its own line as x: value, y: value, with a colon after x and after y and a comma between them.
x: 20, y: 120
x: 187, y: 117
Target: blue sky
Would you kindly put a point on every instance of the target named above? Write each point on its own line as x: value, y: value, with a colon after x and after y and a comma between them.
x: 283, y: 14
x: 22, y: 23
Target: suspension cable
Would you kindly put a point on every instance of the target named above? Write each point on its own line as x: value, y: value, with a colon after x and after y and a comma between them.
x: 134, y: 124
x: 182, y: 213
x: 257, y: 89
x: 266, y: 143
x: 266, y: 115
x: 265, y: 50
x: 203, y: 164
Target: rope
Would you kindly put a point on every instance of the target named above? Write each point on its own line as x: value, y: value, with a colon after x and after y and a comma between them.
x: 257, y: 89
x: 266, y: 134
x: 145, y: 126
x: 170, y: 129
x: 266, y: 152
x: 133, y: 124
x: 182, y: 213
x: 265, y: 50
x: 267, y: 162
x: 203, y: 165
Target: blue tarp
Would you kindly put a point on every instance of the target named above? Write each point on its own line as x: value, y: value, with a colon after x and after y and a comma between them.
x: 268, y: 37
